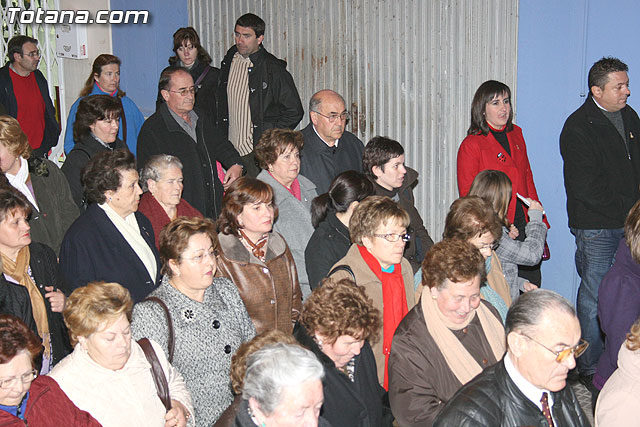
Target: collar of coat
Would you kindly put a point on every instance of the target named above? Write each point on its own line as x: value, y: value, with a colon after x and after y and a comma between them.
x: 234, y: 250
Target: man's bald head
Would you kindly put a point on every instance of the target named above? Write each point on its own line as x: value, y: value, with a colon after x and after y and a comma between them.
x: 324, y: 105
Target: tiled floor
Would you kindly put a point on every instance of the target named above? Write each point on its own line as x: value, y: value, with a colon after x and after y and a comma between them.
x: 584, y: 397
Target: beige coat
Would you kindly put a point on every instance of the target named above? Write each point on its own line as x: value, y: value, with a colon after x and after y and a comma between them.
x: 619, y: 399
x: 373, y: 287
x: 126, y: 397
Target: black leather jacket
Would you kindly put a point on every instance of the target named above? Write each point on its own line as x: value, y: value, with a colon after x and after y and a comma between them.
x: 493, y: 399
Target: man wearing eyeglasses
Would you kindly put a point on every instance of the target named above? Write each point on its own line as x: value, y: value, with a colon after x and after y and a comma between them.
x: 24, y: 94
x: 255, y: 92
x: 328, y: 148
x: 528, y: 387
x: 179, y: 129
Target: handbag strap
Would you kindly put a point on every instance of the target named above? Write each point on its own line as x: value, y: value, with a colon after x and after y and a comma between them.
x: 160, y: 380
x: 170, y: 343
x: 202, y: 75
x: 342, y: 267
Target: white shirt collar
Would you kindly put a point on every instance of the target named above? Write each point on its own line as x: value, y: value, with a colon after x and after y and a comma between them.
x: 334, y: 145
x: 531, y: 392
x: 600, y: 106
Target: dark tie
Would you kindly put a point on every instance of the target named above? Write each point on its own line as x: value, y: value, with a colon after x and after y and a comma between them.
x: 545, y: 408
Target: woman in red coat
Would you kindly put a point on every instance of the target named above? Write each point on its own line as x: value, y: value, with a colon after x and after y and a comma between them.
x: 494, y: 142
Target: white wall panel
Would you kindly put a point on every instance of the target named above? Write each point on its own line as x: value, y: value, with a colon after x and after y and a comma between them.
x: 406, y: 68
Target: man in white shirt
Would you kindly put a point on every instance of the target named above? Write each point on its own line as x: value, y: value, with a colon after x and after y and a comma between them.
x: 529, y: 386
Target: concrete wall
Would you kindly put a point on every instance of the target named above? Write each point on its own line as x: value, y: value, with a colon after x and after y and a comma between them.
x: 558, y: 42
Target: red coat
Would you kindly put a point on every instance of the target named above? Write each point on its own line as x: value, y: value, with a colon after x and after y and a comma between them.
x: 480, y: 152
x: 49, y: 406
x: 156, y: 214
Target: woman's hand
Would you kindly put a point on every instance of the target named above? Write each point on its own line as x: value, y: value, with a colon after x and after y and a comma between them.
x: 535, y: 205
x: 513, y: 232
x: 177, y: 416
x: 528, y: 286
x: 56, y: 298
x: 233, y: 173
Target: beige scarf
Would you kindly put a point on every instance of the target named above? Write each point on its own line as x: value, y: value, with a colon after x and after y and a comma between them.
x: 19, y: 270
x: 496, y: 280
x: 461, y: 363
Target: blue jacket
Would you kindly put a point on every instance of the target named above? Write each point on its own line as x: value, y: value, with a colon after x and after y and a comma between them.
x: 134, y: 117
x: 93, y: 249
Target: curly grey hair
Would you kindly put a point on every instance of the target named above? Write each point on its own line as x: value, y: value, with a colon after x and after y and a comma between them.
x: 156, y: 166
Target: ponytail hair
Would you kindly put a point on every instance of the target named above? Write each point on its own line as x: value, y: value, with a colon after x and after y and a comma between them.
x: 346, y: 188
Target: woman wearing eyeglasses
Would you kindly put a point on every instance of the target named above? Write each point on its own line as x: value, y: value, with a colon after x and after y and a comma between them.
x: 473, y: 220
x: 448, y: 338
x: 378, y: 229
x: 25, y: 397
x: 208, y: 317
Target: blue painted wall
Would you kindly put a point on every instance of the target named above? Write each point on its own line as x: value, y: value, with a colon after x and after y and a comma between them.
x: 145, y: 48
x: 558, y: 42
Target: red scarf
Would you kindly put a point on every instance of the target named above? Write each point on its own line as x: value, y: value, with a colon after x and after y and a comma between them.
x: 295, y: 187
x: 394, y: 303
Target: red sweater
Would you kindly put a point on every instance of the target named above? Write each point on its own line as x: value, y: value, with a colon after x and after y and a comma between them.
x: 481, y: 152
x: 31, y: 107
x: 150, y: 208
x: 49, y: 406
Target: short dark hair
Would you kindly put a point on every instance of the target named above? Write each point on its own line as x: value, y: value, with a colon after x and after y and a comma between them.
x: 274, y: 142
x: 188, y: 34
x: 470, y: 217
x: 15, y: 337
x: 456, y: 260
x: 244, y: 191
x: 485, y: 94
x: 174, y: 238
x: 378, y: 152
x: 15, y: 45
x: 103, y: 173
x: 167, y: 74
x: 12, y: 202
x: 599, y: 71
x: 249, y: 20
x: 346, y: 188
x: 91, y: 109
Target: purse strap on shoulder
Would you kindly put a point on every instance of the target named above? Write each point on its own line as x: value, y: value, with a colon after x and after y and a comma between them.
x: 343, y: 267
x: 170, y: 341
x: 159, y: 378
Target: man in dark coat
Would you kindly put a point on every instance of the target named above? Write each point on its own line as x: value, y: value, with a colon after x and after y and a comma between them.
x: 255, y: 93
x: 383, y: 163
x: 328, y: 148
x: 178, y: 129
x: 599, y: 146
x: 24, y: 95
x: 529, y: 386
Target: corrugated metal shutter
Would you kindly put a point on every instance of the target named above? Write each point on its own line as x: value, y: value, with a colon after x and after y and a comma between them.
x: 407, y: 69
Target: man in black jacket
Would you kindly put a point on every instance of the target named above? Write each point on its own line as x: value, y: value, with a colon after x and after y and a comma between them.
x: 24, y: 95
x: 599, y: 145
x: 178, y: 129
x: 528, y: 387
x: 255, y: 93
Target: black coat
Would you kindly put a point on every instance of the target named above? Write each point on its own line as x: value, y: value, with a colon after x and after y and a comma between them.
x: 321, y: 163
x: 10, y: 105
x: 346, y: 403
x: 328, y: 244
x: 77, y: 159
x: 273, y: 98
x: 162, y: 134
x: 14, y: 300
x: 93, y: 249
x: 45, y: 271
x: 601, y: 174
x: 493, y: 399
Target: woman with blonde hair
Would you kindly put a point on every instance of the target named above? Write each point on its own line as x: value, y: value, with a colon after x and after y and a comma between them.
x: 495, y: 187
x: 104, y: 79
x: 108, y: 374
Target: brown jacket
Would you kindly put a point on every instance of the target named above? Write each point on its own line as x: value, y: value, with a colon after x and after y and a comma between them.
x: 373, y: 287
x: 270, y: 290
x: 420, y: 380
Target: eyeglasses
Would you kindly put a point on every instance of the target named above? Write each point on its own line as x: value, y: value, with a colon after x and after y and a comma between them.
x: 493, y: 246
x: 33, y: 54
x: 333, y: 117
x: 25, y: 378
x: 562, y: 355
x: 200, y: 258
x: 392, y: 237
x: 183, y: 92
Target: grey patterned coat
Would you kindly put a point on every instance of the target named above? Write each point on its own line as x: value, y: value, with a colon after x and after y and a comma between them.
x: 512, y: 253
x: 206, y: 334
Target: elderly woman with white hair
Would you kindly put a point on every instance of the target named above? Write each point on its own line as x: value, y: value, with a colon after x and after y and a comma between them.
x: 162, y: 202
x: 282, y: 387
